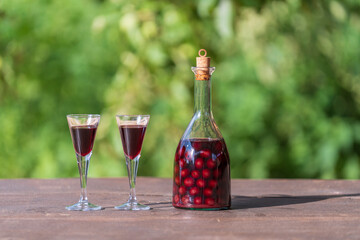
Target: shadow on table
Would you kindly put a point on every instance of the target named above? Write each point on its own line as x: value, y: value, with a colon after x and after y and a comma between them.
x: 157, y: 205
x: 151, y: 205
x: 243, y: 202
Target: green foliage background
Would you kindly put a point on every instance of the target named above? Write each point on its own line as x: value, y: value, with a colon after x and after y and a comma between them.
x: 286, y: 90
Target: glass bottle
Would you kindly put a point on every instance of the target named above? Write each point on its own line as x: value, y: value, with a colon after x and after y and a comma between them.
x: 202, y: 164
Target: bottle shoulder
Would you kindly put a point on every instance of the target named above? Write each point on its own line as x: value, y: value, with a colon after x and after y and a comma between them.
x: 202, y: 125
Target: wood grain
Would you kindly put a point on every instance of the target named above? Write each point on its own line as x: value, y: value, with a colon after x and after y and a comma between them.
x: 262, y: 209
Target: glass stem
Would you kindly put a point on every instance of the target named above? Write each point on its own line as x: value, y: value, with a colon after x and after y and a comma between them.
x: 83, y: 165
x: 132, y: 168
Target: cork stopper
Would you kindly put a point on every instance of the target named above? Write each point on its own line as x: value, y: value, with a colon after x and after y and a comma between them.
x: 203, y: 61
x: 202, y: 65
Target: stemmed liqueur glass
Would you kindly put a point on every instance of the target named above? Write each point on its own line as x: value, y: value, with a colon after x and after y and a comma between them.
x: 83, y: 130
x: 132, y: 131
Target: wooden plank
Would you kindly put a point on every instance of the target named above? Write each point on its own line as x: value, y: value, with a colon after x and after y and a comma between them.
x: 271, y: 209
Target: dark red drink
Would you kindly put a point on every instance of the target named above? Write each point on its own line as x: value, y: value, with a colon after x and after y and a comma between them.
x: 83, y: 138
x: 132, y: 137
x: 201, y: 174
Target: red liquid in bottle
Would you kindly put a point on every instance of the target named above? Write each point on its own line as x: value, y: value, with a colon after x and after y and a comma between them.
x: 132, y: 137
x: 83, y: 138
x: 201, y: 174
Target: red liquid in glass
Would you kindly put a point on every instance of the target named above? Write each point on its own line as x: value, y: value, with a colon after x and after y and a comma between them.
x: 83, y: 138
x: 201, y: 174
x: 132, y: 137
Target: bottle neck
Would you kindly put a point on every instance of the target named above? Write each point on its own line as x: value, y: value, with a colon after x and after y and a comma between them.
x: 202, y: 97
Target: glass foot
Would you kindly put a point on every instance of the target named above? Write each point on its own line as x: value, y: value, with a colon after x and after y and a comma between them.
x: 132, y: 206
x: 83, y: 206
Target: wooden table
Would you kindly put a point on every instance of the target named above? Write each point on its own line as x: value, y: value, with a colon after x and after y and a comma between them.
x: 262, y: 209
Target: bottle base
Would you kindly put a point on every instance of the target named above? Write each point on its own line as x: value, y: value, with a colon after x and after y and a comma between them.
x: 202, y: 208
